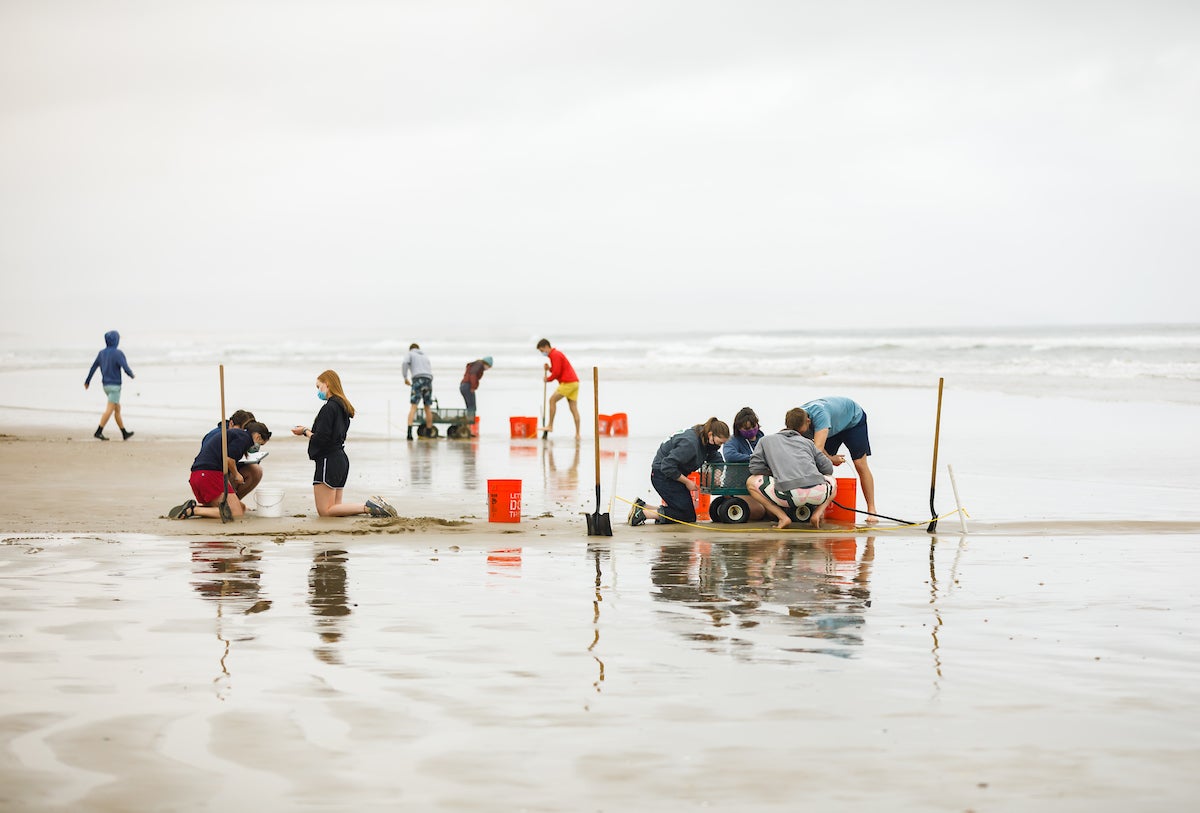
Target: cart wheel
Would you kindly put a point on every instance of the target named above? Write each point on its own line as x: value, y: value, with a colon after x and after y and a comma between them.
x: 802, y: 513
x: 452, y: 431
x: 736, y: 510
x: 421, y: 430
x: 716, y: 510
x: 432, y: 433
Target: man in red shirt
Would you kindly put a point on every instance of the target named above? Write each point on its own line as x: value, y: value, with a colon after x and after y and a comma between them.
x: 560, y: 370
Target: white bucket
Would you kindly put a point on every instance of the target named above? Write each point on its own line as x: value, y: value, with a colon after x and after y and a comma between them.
x: 270, y: 501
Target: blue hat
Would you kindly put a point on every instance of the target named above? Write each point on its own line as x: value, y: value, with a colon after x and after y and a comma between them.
x: 487, y: 360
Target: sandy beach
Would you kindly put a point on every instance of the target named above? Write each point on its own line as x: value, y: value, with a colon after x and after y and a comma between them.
x: 1044, y: 660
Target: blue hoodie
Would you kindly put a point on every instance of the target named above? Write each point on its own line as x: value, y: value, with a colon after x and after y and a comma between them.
x: 110, y: 361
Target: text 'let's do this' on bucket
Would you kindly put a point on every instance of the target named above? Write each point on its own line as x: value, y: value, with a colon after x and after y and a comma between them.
x: 504, y: 500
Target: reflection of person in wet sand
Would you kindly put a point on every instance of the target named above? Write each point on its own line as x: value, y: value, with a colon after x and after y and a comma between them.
x: 564, y: 482
x: 327, y: 599
x: 229, y: 575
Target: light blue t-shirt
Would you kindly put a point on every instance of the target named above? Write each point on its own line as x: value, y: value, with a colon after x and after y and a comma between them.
x: 835, y: 413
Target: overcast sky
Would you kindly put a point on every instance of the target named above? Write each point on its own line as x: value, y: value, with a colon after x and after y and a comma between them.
x: 410, y: 166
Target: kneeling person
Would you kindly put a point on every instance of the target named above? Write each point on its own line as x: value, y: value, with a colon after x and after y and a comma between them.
x: 208, y: 472
x: 787, y: 471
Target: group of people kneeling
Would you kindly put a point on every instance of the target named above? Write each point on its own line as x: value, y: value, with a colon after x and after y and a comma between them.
x: 221, y: 478
x: 788, y: 470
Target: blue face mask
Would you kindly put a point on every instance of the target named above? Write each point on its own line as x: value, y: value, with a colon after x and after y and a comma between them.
x: 321, y: 395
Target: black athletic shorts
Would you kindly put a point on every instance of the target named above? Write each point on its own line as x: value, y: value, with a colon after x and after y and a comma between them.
x: 333, y: 471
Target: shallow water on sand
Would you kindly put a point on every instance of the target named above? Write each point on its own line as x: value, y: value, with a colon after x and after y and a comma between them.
x: 360, y: 673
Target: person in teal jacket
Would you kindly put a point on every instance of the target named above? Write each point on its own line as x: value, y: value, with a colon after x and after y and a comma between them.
x: 837, y: 420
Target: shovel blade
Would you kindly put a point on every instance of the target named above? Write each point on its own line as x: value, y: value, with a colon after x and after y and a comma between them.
x: 599, y: 525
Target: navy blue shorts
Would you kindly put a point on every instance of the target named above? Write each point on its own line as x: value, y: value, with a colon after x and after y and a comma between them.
x: 333, y: 471
x: 855, y: 438
x: 676, y: 498
x: 422, y: 390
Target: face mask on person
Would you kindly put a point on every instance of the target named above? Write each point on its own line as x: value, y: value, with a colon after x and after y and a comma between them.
x: 321, y: 394
x: 748, y: 434
x: 545, y: 352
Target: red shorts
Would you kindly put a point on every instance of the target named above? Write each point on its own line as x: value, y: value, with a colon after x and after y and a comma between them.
x: 206, y: 485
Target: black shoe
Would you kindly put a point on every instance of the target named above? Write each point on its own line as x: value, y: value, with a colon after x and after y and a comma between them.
x: 636, y: 515
x: 126, y: 435
x: 99, y: 435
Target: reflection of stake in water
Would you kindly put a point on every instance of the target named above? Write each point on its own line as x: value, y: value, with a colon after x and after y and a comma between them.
x: 228, y: 575
x: 328, y: 601
x: 596, y: 550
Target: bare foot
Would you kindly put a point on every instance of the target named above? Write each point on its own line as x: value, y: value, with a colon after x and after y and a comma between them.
x: 783, y: 523
x: 870, y: 520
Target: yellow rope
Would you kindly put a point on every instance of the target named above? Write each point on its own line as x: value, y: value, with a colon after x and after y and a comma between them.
x: 719, y: 527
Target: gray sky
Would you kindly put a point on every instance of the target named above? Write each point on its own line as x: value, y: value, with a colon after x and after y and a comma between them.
x: 408, y: 166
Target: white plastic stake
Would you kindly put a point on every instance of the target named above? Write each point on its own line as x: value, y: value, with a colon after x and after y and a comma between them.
x: 962, y: 521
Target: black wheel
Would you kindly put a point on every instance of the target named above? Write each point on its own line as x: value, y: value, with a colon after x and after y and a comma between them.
x: 802, y: 513
x: 736, y: 510
x: 452, y: 431
x: 716, y: 510
x: 432, y: 433
x: 421, y: 430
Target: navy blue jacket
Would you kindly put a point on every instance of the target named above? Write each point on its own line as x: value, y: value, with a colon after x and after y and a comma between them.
x: 110, y: 361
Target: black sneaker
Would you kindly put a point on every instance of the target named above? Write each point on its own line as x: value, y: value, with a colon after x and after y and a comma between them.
x: 636, y: 515
x: 126, y: 435
x: 99, y: 435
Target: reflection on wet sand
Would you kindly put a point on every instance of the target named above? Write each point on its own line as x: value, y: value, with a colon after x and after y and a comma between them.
x: 228, y: 574
x: 820, y: 591
x: 596, y: 551
x: 562, y: 481
x: 328, y: 601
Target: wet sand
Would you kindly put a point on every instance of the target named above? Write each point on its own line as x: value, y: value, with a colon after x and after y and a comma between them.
x: 439, y: 661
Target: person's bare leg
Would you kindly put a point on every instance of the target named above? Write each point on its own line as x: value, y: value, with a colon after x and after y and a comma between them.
x: 108, y: 411
x: 329, y: 502
x: 117, y: 415
x: 554, y: 399
x: 867, y: 482
x: 774, y: 510
x: 575, y: 414
x: 252, y: 475
x: 212, y: 509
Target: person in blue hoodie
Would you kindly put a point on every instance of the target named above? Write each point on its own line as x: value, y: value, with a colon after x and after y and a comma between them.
x: 746, y: 434
x: 110, y: 362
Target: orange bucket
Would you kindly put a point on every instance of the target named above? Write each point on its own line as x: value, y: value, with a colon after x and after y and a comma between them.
x: 700, y: 500
x: 605, y: 424
x: 619, y: 425
x: 504, y: 500
x: 844, y: 496
x: 522, y: 427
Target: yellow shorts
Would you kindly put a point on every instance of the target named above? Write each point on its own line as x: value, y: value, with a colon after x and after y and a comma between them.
x: 569, y: 391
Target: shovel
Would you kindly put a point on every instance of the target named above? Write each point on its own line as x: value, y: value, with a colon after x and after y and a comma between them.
x: 598, y: 524
x: 545, y: 434
x: 223, y: 506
